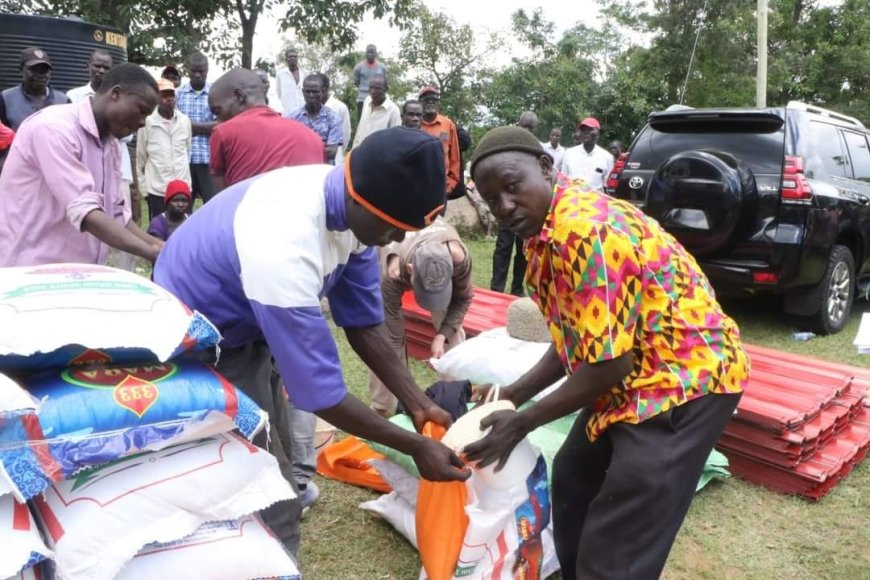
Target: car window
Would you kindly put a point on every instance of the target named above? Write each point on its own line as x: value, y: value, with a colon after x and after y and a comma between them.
x: 763, y: 152
x: 823, y: 152
x: 860, y: 155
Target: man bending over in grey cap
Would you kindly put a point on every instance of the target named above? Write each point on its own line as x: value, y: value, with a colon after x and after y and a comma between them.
x: 437, y: 266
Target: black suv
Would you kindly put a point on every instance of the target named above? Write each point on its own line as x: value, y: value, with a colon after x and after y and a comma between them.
x: 770, y: 200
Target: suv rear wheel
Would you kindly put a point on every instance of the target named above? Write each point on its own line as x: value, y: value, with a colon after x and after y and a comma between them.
x: 834, y: 294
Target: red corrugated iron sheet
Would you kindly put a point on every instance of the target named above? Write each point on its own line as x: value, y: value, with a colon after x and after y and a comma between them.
x: 488, y: 310
x: 817, y: 475
x: 801, y: 425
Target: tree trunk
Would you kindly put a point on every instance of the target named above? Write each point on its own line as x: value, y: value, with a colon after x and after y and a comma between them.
x: 248, y: 20
x: 247, y: 44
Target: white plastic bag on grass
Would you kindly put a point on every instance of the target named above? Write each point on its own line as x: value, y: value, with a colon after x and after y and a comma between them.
x: 100, y: 519
x: 242, y: 549
x: 21, y: 545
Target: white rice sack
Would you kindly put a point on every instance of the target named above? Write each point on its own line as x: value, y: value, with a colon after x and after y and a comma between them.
x: 492, y: 357
x: 98, y: 520
x: 60, y: 315
x: 241, y: 549
x: 21, y: 545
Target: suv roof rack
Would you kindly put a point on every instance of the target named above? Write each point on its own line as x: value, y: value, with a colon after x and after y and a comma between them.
x: 797, y: 105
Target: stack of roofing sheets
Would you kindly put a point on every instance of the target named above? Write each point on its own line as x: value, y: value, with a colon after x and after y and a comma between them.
x: 801, y: 426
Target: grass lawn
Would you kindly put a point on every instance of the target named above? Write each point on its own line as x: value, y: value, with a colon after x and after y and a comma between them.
x: 733, y: 530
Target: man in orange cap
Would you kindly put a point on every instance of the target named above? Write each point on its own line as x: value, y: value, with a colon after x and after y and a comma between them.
x: 163, y: 149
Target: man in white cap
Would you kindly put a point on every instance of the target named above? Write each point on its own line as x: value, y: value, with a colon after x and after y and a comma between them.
x: 588, y: 160
x: 436, y: 265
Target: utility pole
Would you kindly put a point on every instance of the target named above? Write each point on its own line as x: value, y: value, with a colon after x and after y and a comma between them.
x: 761, y: 79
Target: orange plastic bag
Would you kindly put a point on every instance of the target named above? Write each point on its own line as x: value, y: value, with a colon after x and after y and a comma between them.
x: 441, y: 520
x: 347, y: 461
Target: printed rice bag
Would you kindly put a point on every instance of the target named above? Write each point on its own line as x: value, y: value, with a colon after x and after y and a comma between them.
x: 60, y: 315
x: 97, y: 521
x: 21, y: 545
x: 242, y: 549
x: 91, y: 415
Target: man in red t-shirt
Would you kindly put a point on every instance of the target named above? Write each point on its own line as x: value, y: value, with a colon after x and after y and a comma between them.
x: 250, y: 137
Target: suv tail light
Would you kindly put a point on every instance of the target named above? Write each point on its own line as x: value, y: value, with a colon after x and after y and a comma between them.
x: 795, y: 186
x: 613, y: 178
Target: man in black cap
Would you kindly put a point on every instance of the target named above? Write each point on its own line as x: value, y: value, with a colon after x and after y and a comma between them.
x: 258, y: 261
x: 34, y: 92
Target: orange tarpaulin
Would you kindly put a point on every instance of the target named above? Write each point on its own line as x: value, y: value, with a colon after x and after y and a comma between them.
x: 347, y: 461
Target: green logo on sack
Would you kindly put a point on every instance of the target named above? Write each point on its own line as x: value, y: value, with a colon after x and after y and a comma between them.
x: 80, y: 285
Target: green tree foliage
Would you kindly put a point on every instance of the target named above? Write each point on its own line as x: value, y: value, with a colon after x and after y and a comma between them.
x: 556, y: 79
x: 817, y: 54
x: 438, y: 51
x: 222, y: 27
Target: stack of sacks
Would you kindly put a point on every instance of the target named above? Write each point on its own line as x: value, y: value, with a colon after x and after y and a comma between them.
x: 131, y: 457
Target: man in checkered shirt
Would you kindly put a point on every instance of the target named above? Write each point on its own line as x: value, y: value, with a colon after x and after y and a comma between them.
x: 192, y: 100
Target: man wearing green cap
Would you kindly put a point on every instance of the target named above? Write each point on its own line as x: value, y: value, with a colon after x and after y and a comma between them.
x: 258, y: 259
x: 652, y: 363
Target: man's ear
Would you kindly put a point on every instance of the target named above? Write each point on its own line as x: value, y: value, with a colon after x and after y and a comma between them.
x: 116, y: 93
x: 546, y: 165
x: 410, y: 268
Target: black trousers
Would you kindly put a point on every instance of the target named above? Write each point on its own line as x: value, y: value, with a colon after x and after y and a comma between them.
x: 156, y: 206
x: 505, y: 243
x: 249, y: 368
x: 201, y: 183
x: 619, y: 502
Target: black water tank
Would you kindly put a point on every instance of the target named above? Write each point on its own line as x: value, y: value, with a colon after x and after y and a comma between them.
x: 68, y: 43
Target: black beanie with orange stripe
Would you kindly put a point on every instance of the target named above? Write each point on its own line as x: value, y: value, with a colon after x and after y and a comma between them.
x: 398, y: 174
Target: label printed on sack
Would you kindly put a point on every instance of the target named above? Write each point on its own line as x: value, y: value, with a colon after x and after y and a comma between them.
x: 136, y: 395
x: 133, y: 388
x: 89, y: 357
x: 87, y: 285
x: 111, y: 377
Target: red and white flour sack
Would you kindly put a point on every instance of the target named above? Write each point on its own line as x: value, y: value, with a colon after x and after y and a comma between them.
x: 98, y: 520
x: 21, y: 545
x: 242, y: 549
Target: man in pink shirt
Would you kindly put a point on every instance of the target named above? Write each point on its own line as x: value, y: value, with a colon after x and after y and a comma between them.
x: 60, y: 190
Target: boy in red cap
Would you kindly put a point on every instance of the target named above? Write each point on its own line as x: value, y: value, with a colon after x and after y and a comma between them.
x: 177, y: 199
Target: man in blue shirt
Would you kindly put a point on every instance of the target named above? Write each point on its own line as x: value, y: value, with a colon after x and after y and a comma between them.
x: 259, y: 258
x: 318, y: 117
x: 192, y: 100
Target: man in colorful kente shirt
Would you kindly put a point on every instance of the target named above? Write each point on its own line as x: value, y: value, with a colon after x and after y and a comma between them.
x: 655, y: 365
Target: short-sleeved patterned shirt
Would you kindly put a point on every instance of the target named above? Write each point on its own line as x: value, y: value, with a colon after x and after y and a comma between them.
x: 327, y: 124
x: 195, y: 106
x: 609, y: 280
